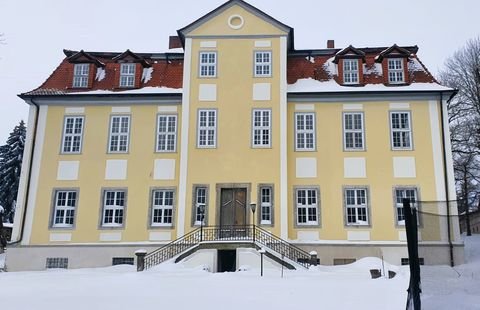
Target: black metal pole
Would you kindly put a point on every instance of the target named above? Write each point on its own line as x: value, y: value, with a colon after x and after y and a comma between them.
x: 413, y: 299
x: 261, y: 264
x: 201, y: 226
x: 253, y: 211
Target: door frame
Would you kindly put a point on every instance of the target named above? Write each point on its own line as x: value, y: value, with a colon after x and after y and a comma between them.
x: 218, y: 203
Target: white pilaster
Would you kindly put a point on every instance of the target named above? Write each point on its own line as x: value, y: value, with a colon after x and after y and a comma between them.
x: 283, y: 140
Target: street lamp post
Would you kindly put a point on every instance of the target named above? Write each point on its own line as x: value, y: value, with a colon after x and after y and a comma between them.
x: 253, y: 206
x: 261, y: 251
x: 202, y: 216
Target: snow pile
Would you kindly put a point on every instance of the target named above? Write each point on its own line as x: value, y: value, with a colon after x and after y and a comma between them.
x: 312, y: 86
x: 415, y: 65
x: 375, y: 69
x: 147, y: 74
x: 100, y: 74
x: 330, y: 67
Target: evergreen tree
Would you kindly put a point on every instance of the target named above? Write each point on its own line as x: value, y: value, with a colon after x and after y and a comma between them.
x: 11, y: 155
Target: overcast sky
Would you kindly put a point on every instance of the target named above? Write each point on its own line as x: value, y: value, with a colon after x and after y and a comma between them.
x: 36, y: 32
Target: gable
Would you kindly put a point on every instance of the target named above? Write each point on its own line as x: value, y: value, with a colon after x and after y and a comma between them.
x: 235, y: 18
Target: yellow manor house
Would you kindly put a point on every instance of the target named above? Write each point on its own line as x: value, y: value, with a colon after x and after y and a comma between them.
x: 232, y: 141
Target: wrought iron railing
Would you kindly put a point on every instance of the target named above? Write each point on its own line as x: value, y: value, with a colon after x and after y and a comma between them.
x: 248, y: 233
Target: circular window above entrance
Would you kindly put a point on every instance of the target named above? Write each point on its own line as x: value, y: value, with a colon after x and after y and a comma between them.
x: 235, y: 22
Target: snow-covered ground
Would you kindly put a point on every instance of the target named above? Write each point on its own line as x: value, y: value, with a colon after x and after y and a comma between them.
x: 176, y: 287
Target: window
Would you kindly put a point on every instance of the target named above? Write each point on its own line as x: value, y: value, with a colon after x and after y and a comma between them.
x: 80, y: 75
x: 208, y: 64
x: 400, y: 194
x: 64, y: 210
x: 353, y: 131
x: 261, y: 128
x: 167, y: 133
x: 72, y: 135
x: 266, y: 204
x: 307, y: 207
x: 162, y: 208
x: 127, y: 75
x: 343, y: 261
x: 200, y: 201
x: 350, y: 71
x: 356, y: 206
x: 119, y: 132
x: 401, y: 130
x: 305, y: 131
x: 395, y: 71
x: 113, y: 208
x: 207, y: 128
x: 56, y: 262
x: 263, y: 64
x: 122, y: 261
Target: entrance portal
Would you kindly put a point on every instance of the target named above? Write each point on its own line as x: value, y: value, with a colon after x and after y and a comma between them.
x: 233, y: 211
x: 226, y: 260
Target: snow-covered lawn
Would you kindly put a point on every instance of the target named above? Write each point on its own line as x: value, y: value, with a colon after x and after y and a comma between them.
x: 173, y: 286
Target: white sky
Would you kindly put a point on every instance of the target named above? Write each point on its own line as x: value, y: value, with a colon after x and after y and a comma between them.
x: 36, y: 32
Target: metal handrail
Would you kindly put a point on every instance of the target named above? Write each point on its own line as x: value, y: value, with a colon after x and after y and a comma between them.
x: 249, y: 233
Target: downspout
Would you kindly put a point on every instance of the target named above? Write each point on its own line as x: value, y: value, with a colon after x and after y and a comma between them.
x: 27, y: 189
x: 445, y: 176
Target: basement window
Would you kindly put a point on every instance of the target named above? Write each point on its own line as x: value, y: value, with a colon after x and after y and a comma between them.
x: 122, y: 261
x: 56, y: 262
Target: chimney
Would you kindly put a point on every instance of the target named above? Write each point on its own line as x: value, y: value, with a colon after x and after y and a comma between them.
x: 174, y: 42
x: 330, y: 43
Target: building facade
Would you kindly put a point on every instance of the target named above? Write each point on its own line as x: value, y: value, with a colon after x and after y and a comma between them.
x: 125, y: 149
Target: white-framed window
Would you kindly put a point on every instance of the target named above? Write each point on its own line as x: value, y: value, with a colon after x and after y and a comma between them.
x: 262, y: 128
x: 162, y: 207
x: 305, y: 131
x: 72, y: 134
x: 113, y: 208
x: 353, y: 131
x: 207, y: 129
x: 395, y: 71
x: 263, y: 64
x: 64, y: 210
x: 167, y: 133
x: 356, y: 206
x: 350, y: 71
x: 266, y: 205
x: 80, y: 75
x: 208, y: 64
x: 401, y: 130
x: 127, y: 74
x: 200, y: 202
x: 400, y: 194
x: 119, y: 134
x: 307, y: 206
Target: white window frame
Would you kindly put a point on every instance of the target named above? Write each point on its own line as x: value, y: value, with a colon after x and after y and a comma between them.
x: 73, y: 135
x: 266, y: 204
x: 261, y: 128
x: 66, y: 206
x: 206, y: 129
x: 396, y: 73
x: 120, y: 134
x: 164, y: 205
x: 118, y: 209
x: 81, y: 74
x: 304, y: 133
x: 360, y: 203
x: 357, y: 133
x: 351, y: 73
x: 167, y: 134
x: 311, y: 208
x: 207, y: 67
x: 200, y: 199
x: 399, y: 194
x: 405, y: 133
x: 127, y: 75
x: 263, y: 63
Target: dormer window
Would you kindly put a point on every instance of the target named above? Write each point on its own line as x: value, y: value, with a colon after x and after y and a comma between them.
x: 350, y: 71
x: 80, y: 75
x: 127, y: 75
x: 395, y: 71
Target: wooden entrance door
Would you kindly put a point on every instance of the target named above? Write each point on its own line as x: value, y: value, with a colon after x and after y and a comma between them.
x: 233, y: 209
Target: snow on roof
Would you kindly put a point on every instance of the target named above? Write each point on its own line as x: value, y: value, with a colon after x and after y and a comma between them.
x: 144, y: 90
x: 8, y: 225
x: 175, y: 50
x: 314, y: 86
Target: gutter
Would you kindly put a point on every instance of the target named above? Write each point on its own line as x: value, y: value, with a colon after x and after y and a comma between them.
x: 29, y: 177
